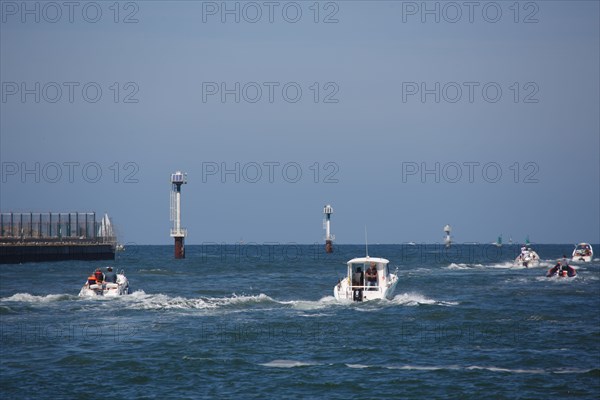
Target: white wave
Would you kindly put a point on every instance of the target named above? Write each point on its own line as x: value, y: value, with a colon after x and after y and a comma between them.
x: 30, y: 298
x: 513, y: 371
x: 358, y: 366
x: 287, y: 364
x: 458, y: 266
x: 415, y: 299
x: 156, y: 270
x: 143, y: 301
x: 538, y: 371
x: 558, y: 279
x: 311, y: 305
x: 423, y: 367
x: 505, y: 265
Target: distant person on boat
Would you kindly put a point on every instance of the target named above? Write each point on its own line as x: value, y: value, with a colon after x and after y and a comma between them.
x: 99, y: 275
x: 562, y: 268
x: 92, y: 280
x: 372, y: 276
x: 110, y: 276
x: 358, y: 277
x: 358, y: 280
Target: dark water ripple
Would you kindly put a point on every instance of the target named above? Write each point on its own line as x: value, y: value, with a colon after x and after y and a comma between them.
x: 232, y: 324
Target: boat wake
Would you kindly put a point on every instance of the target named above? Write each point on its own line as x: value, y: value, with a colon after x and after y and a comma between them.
x: 141, y: 301
x: 307, y: 305
x: 461, y: 266
x: 30, y: 298
x: 427, y: 368
x: 416, y: 299
x: 500, y: 265
x: 288, y: 364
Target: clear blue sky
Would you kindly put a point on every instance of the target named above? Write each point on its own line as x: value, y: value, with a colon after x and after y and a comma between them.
x: 370, y: 146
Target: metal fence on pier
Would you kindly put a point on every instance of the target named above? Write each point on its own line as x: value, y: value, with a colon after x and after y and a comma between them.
x: 54, y: 226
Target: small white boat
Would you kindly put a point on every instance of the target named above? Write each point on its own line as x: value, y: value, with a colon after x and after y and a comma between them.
x: 107, y: 289
x: 356, y: 286
x: 527, y: 258
x: 583, y: 252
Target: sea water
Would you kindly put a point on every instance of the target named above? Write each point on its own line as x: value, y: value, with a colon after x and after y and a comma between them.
x: 260, y: 321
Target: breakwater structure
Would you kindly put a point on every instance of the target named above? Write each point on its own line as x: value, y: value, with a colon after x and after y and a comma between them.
x: 31, y: 237
x: 177, y: 232
x: 328, y: 210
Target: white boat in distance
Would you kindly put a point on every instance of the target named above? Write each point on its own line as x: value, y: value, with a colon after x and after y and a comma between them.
x: 583, y: 252
x: 355, y: 287
x: 107, y: 289
x: 527, y: 258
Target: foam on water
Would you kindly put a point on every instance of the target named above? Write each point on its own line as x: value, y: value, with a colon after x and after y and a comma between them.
x: 452, y: 367
x: 141, y: 300
x: 461, y: 266
x: 30, y: 298
x: 324, y: 302
x: 415, y: 299
x: 288, y: 364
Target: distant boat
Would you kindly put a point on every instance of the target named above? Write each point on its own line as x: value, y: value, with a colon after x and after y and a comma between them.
x: 447, y: 238
x: 353, y: 286
x: 510, y: 241
x: 583, y: 252
x: 366, y: 279
x: 92, y: 288
x: 527, y: 258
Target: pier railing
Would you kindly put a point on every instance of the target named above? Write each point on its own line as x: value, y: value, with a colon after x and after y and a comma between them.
x: 52, y: 226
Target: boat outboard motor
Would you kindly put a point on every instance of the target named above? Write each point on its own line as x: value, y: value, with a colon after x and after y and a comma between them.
x: 357, y: 295
x: 358, y: 280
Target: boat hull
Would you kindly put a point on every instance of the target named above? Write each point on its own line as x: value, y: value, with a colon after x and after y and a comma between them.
x: 582, y: 258
x: 530, y: 260
x: 107, y: 289
x: 343, y: 291
x: 583, y: 253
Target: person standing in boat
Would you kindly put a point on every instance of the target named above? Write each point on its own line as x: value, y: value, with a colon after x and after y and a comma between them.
x: 99, y: 275
x: 358, y: 281
x: 357, y: 277
x: 570, y: 271
x: 110, y: 276
x: 562, y: 268
x: 372, y: 276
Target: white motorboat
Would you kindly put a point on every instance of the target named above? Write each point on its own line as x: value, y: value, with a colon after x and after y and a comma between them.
x: 356, y: 285
x: 107, y: 289
x: 583, y: 252
x: 527, y: 258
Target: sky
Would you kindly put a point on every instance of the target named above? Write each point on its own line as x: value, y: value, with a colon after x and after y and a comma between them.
x: 404, y: 116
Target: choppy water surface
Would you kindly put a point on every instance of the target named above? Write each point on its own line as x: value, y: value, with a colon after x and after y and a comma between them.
x: 261, y: 321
